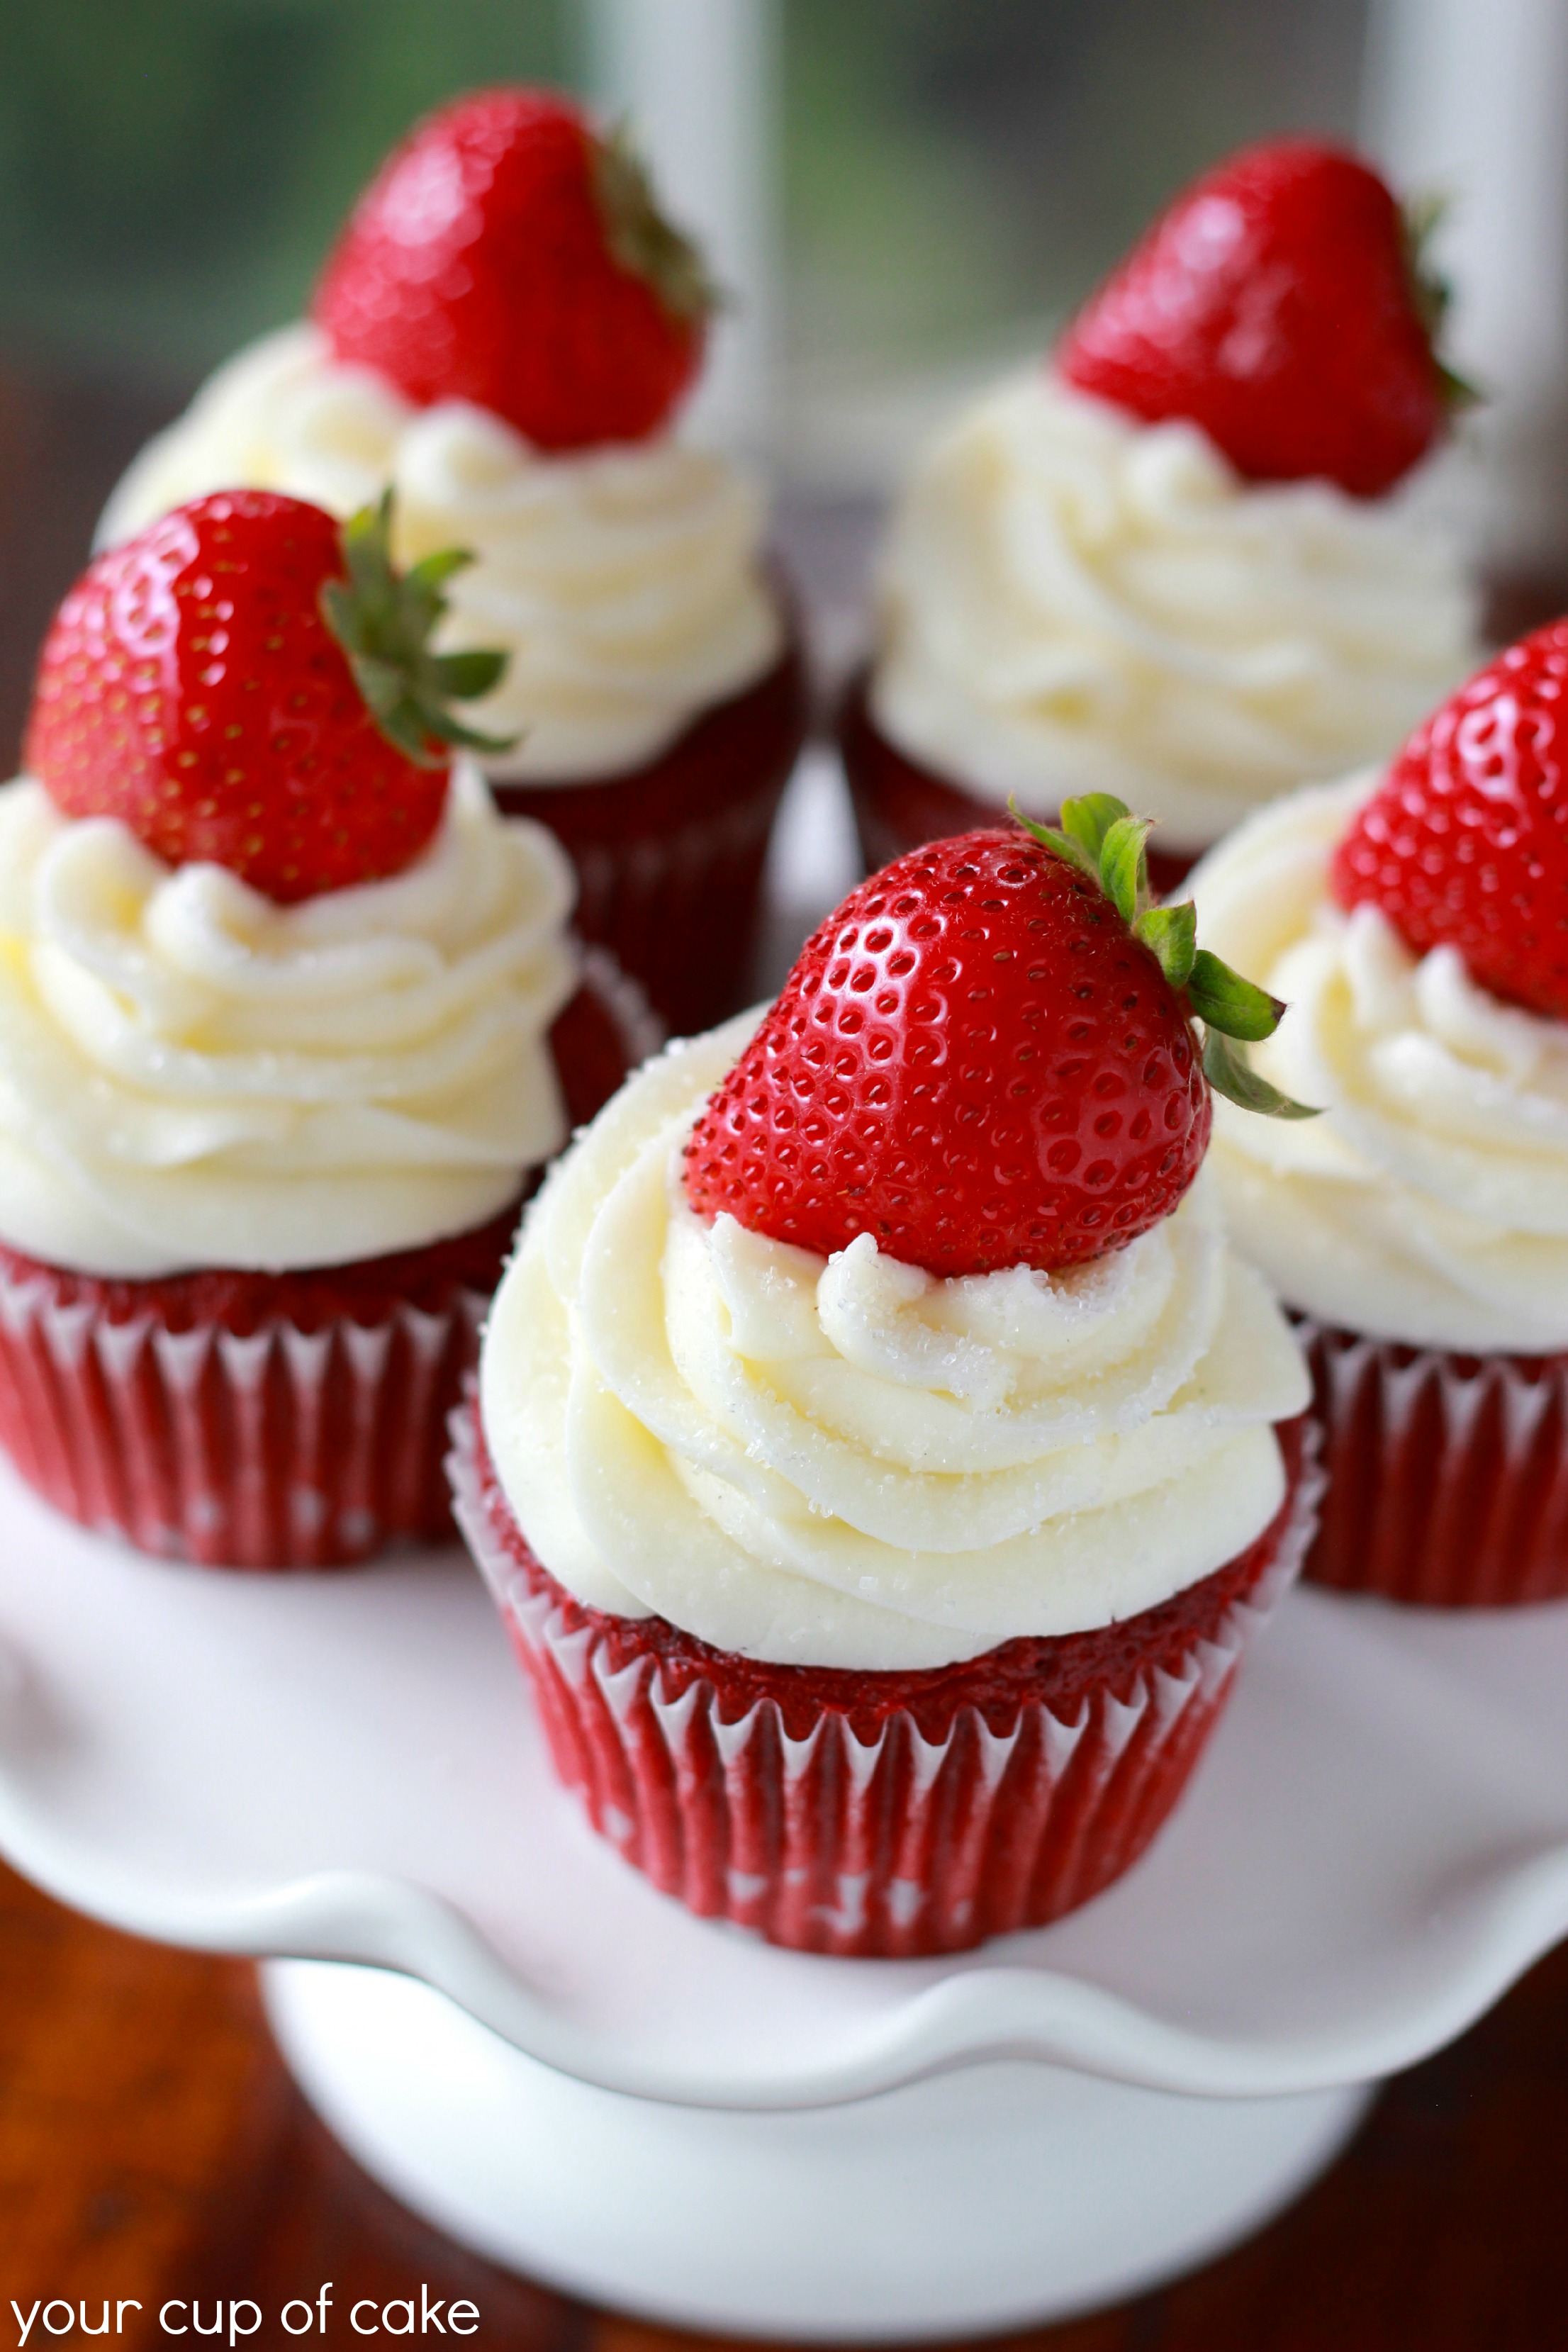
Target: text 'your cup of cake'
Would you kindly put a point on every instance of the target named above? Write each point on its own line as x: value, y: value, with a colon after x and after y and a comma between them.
x: 1177, y: 562
x: 503, y: 333
x: 879, y: 1458
x: 291, y: 1019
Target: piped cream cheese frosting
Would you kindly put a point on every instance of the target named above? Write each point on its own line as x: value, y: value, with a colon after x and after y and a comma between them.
x: 847, y: 1462
x: 624, y: 582
x: 193, y: 1075
x: 1429, y: 1202
x: 1074, y: 601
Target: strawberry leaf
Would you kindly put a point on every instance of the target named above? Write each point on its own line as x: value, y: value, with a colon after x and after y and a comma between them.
x: 1457, y: 390
x: 1123, y: 870
x: 640, y: 237
x: 382, y: 684
x: 1222, y: 1000
x: 1422, y: 216
x: 384, y: 620
x: 447, y: 730
x: 1230, y: 1074
x: 1171, y: 934
x: 463, y: 677
x: 433, y: 571
x: 1059, y: 843
x: 1102, y: 838
x: 1089, y: 818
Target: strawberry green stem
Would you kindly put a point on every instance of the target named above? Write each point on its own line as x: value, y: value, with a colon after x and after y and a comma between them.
x: 1099, y: 834
x: 640, y: 237
x: 384, y: 620
x: 1421, y: 216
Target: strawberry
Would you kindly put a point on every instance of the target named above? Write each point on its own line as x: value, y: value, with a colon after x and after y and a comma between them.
x: 984, y: 1058
x: 219, y: 685
x: 1280, y: 303
x: 1465, y: 842
x: 509, y: 255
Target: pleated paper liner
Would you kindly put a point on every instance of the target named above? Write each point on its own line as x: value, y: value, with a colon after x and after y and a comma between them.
x: 899, y: 804
x: 1448, y: 1474
x: 868, y: 1814
x: 274, y: 1420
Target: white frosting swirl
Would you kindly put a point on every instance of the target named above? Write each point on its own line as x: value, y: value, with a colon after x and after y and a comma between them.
x: 1430, y: 1203
x: 192, y: 1075
x: 624, y: 582
x: 846, y: 1462
x: 1073, y: 600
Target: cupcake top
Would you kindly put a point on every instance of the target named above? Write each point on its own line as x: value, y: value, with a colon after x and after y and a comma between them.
x: 624, y: 582
x: 1006, y: 1379
x: 1072, y: 601
x: 192, y: 1074
x: 1170, y: 568
x: 1413, y: 917
x: 501, y: 336
x: 273, y: 993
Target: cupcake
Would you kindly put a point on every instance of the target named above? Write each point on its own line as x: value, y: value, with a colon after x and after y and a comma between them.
x: 879, y: 1459
x: 1174, y: 566
x: 503, y: 333
x: 1416, y: 918
x: 289, y: 1022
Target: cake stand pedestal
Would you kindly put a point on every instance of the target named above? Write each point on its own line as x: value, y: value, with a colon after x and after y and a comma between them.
x: 339, y: 1775
x: 979, y: 2200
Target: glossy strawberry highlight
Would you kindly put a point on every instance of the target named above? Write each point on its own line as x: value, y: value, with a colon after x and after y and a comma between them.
x: 1280, y: 305
x: 246, y: 684
x: 974, y: 1062
x: 1465, y: 842
x: 510, y: 255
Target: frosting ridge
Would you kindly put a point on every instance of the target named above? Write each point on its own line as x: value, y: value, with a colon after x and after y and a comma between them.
x: 192, y: 1075
x: 624, y: 582
x: 1430, y: 1203
x: 850, y: 1462
x: 1073, y: 600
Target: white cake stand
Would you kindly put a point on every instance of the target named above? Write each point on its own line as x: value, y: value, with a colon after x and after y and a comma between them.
x: 575, y: 2077
x: 563, y: 2069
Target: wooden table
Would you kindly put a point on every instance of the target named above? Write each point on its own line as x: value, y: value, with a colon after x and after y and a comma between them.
x: 153, y: 2146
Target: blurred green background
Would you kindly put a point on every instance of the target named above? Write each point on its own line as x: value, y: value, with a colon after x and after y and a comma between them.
x: 953, y: 176
x: 954, y: 173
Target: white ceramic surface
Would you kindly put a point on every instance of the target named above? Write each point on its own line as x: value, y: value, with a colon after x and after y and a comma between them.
x: 974, y: 2200
x: 344, y: 1767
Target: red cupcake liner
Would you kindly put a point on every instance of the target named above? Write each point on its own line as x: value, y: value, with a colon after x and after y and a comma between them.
x: 878, y: 1814
x: 670, y: 856
x: 262, y: 1421
x: 900, y: 806
x: 1448, y: 1474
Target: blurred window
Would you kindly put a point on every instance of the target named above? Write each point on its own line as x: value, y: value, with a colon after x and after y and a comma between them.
x: 171, y: 171
x: 959, y: 172
x: 956, y: 171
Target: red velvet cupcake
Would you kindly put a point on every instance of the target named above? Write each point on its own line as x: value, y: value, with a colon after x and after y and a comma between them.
x: 1172, y: 565
x: 880, y: 1815
x: 670, y: 857
x: 290, y: 1020
x: 1419, y: 1228
x: 879, y: 1458
x: 511, y: 364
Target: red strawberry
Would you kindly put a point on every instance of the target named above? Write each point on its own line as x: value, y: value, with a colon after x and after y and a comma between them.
x: 977, y: 1061
x: 1279, y: 304
x: 509, y: 255
x: 210, y: 683
x: 1465, y: 842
